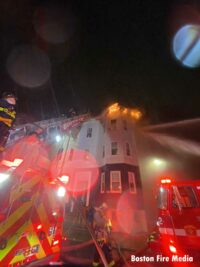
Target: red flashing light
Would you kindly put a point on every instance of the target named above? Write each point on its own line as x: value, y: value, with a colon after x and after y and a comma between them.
x: 166, y: 181
x: 52, y: 182
x: 55, y: 242
x: 39, y: 227
x: 64, y: 179
x: 14, y: 163
x: 172, y: 249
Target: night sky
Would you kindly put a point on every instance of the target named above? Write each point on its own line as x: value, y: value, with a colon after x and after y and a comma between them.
x: 95, y: 53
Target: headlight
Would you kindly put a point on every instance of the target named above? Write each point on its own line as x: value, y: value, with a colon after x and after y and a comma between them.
x: 61, y: 191
x: 58, y: 138
x: 3, y: 177
x: 64, y: 179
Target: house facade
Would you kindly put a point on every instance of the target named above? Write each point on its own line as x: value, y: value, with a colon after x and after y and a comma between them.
x: 110, y: 139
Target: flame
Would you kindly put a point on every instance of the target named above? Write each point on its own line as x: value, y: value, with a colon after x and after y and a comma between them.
x: 113, y: 108
x: 136, y: 114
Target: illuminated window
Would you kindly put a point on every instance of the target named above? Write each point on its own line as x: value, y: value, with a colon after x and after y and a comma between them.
x: 103, y: 183
x: 114, y: 148
x: 115, y: 182
x: 128, y: 152
x: 131, y: 182
x: 113, y: 124
x: 125, y: 125
x: 103, y: 153
x: 89, y: 132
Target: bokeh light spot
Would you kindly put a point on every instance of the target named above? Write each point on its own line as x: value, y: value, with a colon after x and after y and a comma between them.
x: 186, y: 46
x: 54, y: 24
x: 29, y: 66
x: 81, y: 168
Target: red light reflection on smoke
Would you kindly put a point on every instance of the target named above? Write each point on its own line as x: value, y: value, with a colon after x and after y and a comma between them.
x: 125, y: 213
x: 80, y: 166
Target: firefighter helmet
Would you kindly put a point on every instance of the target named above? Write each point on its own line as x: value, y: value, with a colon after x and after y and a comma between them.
x: 9, y: 95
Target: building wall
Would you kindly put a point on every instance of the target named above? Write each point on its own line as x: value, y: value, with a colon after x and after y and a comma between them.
x: 91, y: 140
x: 99, y: 144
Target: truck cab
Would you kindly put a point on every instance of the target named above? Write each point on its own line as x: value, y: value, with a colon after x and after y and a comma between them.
x: 178, y: 223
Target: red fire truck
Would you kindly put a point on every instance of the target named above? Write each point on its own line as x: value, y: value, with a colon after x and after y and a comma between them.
x: 178, y: 223
x: 32, y: 202
x: 31, y: 213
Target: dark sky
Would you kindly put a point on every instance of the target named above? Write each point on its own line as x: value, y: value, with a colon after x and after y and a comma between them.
x: 96, y: 53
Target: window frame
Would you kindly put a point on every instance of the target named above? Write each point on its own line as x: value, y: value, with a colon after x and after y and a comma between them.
x: 112, y: 149
x: 128, y: 149
x: 186, y: 197
x: 89, y: 132
x: 111, y: 182
x: 103, y: 181
x: 162, y: 198
x: 132, y: 175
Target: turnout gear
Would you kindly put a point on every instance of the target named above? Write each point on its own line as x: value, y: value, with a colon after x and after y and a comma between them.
x: 7, y: 117
x: 102, y: 236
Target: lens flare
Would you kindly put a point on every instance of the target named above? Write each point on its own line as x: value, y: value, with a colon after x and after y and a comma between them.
x: 80, y: 166
x: 29, y: 66
x: 186, y: 46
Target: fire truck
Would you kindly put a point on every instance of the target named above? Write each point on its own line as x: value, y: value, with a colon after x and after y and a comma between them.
x: 178, y: 223
x: 31, y: 212
x: 32, y: 203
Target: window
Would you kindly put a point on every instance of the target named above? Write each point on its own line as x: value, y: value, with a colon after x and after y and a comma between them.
x: 184, y: 197
x: 125, y: 125
x: 128, y: 152
x: 89, y: 132
x: 114, y: 148
x: 113, y: 124
x: 131, y: 182
x: 103, y: 183
x: 103, y: 152
x: 115, y: 182
x: 162, y: 198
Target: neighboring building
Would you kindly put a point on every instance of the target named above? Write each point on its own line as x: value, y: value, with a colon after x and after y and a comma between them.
x: 103, y: 160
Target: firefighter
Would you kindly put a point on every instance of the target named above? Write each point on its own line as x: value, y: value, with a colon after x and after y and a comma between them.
x: 102, y: 235
x: 7, y: 116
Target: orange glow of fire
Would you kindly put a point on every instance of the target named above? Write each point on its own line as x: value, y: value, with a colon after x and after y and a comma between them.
x: 113, y: 108
x: 136, y: 114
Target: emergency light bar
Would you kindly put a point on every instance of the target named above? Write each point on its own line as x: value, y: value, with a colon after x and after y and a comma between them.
x: 14, y: 163
x: 64, y: 179
x: 166, y: 181
x: 39, y: 227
